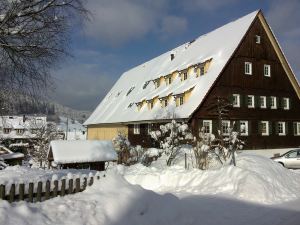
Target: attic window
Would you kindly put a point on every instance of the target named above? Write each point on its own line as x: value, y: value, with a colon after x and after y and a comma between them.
x: 201, y: 70
x: 172, y: 56
x: 129, y: 91
x: 257, y: 39
x: 146, y: 84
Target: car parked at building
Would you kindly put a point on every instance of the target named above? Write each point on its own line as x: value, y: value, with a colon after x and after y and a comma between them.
x: 290, y: 159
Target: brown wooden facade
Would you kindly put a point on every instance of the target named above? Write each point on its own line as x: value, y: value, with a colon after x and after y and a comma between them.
x: 233, y: 80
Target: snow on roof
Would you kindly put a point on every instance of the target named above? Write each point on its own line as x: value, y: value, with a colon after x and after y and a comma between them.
x: 218, y: 45
x: 5, y: 153
x: 80, y: 151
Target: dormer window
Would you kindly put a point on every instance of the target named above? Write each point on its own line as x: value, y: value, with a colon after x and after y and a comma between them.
x: 185, y: 76
x: 181, y: 100
x: 6, y: 130
x: 19, y: 131
x: 165, y: 102
x: 201, y: 70
x: 169, y: 80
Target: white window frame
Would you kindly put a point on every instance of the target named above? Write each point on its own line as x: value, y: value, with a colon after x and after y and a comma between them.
x: 209, y: 126
x: 236, y: 103
x: 283, y: 133
x: 267, y: 133
x: 286, y: 103
x: 246, y: 130
x: 227, y: 123
x: 257, y: 39
x: 136, y: 128
x: 248, y: 68
x: 267, y: 70
x: 297, y: 130
x: 165, y: 102
x: 274, y: 100
x: 253, y: 101
x: 263, y: 99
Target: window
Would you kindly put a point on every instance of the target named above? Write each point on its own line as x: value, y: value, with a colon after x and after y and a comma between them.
x: 267, y: 70
x: 185, y: 76
x: 286, y: 103
x: 181, y: 100
x: 169, y: 80
x: 151, y: 105
x: 273, y: 102
x: 195, y: 70
x: 248, y: 68
x: 257, y: 39
x: 157, y: 83
x: 264, y: 128
x: 281, y: 128
x: 225, y: 127
x: 165, y: 102
x: 250, y: 101
x: 297, y: 128
x: 149, y: 128
x: 263, y: 102
x: 236, y: 100
x: 201, y: 70
x: 136, y: 128
x: 207, y: 124
x: 19, y: 131
x: 244, y: 128
x: 292, y: 155
x: 6, y: 130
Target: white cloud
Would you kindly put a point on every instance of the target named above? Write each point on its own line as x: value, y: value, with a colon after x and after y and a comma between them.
x: 117, y: 22
x: 205, y: 5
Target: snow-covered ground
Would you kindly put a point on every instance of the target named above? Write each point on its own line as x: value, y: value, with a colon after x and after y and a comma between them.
x: 257, y: 191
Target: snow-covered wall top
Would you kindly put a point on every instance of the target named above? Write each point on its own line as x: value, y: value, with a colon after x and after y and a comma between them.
x: 82, y: 151
x: 218, y: 45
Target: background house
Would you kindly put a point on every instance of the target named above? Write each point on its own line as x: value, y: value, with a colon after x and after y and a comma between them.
x: 81, y: 154
x: 240, y: 61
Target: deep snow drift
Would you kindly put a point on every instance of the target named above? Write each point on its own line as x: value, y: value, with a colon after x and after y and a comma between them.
x: 255, y: 178
x: 197, y: 197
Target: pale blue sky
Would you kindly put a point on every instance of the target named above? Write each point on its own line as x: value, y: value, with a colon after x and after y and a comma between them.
x: 125, y: 33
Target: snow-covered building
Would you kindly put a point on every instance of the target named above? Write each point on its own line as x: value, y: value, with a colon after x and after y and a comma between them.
x: 81, y: 154
x: 21, y: 127
x: 241, y: 61
x: 9, y: 157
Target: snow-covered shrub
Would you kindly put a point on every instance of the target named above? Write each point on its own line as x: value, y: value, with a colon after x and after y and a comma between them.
x: 150, y: 155
x: 127, y: 154
x: 171, y: 136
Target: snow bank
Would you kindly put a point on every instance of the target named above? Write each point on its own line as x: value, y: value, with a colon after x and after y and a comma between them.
x: 255, y: 179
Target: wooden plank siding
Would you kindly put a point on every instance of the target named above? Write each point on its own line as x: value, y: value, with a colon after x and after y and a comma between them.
x: 234, y: 81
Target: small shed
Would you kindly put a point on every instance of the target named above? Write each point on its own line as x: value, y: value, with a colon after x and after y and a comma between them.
x: 81, y: 154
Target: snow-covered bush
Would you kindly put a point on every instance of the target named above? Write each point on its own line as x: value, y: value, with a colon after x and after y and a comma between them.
x: 171, y: 136
x: 150, y: 155
x: 127, y: 154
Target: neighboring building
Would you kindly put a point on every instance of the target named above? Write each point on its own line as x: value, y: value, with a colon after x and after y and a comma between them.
x: 20, y: 129
x: 9, y: 157
x: 241, y: 61
x: 81, y: 154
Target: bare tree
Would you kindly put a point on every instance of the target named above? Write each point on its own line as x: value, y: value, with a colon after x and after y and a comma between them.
x: 44, y: 134
x: 34, y: 37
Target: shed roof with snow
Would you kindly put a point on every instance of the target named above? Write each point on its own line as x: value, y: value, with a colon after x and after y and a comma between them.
x: 81, y: 151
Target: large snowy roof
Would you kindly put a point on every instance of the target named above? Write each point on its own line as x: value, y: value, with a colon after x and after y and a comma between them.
x: 218, y: 45
x: 82, y: 151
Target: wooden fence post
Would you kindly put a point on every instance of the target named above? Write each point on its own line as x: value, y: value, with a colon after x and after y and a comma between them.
x: 77, y: 183
x: 12, y: 193
x: 91, y: 181
x: 63, y: 187
x: 70, y: 191
x: 39, y: 191
x: 47, y: 194
x: 30, y: 192
x: 21, y: 191
x: 55, y: 189
x: 84, y: 183
x: 2, y: 191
